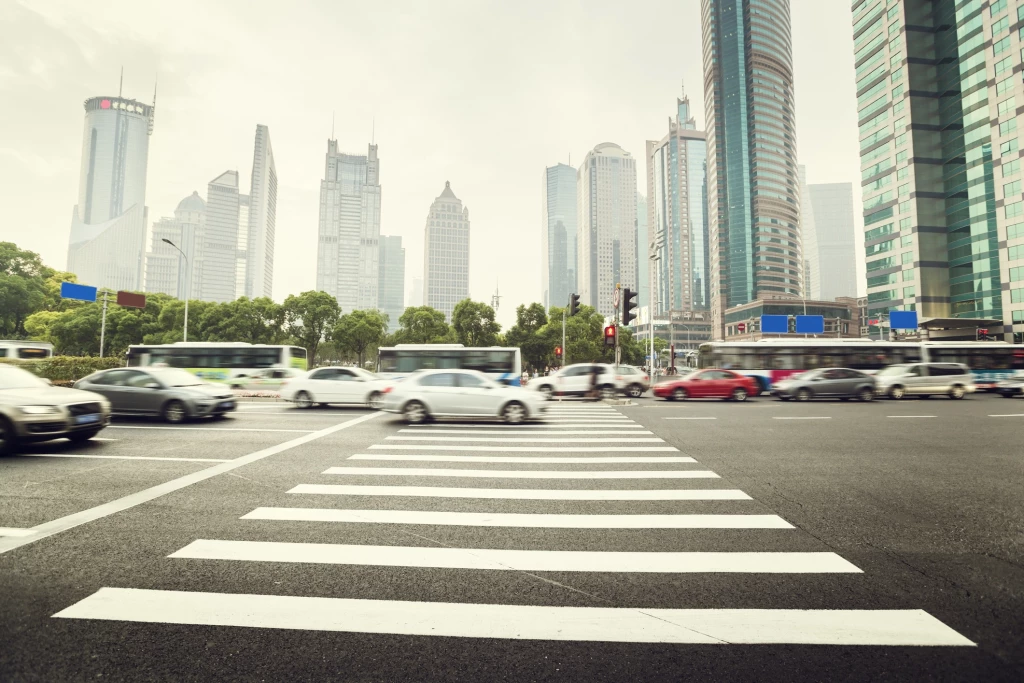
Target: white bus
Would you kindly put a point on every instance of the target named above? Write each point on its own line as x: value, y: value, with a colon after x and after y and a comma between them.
x: 24, y: 349
x: 502, y: 364
x: 219, y: 361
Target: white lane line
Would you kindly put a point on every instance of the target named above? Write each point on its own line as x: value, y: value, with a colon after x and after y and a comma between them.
x: 10, y: 531
x: 498, y: 432
x: 520, y: 474
x: 516, y: 439
x: 519, y: 622
x: 100, y: 438
x: 520, y: 459
x: 92, y: 514
x: 529, y: 425
x: 533, y: 449
x: 520, y: 560
x: 214, y: 429
x: 689, y: 418
x: 1009, y: 415
x: 120, y: 457
x: 513, y: 519
x: 903, y: 416
x: 520, y: 494
x: 802, y: 418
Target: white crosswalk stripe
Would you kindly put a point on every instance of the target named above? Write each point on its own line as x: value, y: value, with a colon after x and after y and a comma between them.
x: 520, y: 474
x: 412, y: 457
x: 520, y: 494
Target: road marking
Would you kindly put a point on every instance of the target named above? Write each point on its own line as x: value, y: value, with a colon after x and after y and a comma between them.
x: 513, y: 519
x: 520, y: 474
x: 522, y: 433
x: 528, y: 425
x: 801, y: 418
x: 532, y: 449
x: 120, y: 457
x: 514, y: 439
x: 214, y: 429
x: 521, y: 494
x: 521, y: 459
x: 689, y: 418
x: 1009, y: 415
x: 520, y: 560
x: 899, y: 416
x: 10, y: 531
x: 100, y: 438
x: 92, y: 514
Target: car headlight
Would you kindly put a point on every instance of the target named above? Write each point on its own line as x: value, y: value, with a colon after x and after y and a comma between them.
x: 39, y: 410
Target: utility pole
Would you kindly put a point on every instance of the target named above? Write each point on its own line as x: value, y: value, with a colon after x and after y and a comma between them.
x: 615, y: 318
x: 103, y: 322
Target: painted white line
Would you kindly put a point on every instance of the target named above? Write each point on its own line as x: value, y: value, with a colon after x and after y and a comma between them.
x: 505, y: 439
x: 1009, y: 415
x: 902, y: 416
x: 533, y: 449
x: 10, y: 531
x: 521, y: 459
x: 92, y: 514
x: 520, y: 494
x: 213, y: 429
x: 519, y: 622
x: 100, y: 438
x: 497, y: 432
x: 519, y: 560
x: 119, y: 457
x: 519, y: 474
x: 512, y: 519
x: 445, y: 426
x: 801, y: 418
x: 689, y: 418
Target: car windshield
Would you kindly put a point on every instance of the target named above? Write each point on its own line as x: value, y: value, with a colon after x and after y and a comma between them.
x: 16, y: 378
x: 365, y: 374
x: 173, y: 377
x: 892, y: 370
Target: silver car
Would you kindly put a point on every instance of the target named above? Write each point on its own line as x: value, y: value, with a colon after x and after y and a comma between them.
x: 171, y: 393
x: 925, y: 379
x: 32, y: 410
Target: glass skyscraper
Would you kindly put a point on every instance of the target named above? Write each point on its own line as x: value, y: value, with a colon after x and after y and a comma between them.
x: 259, y: 264
x: 391, y: 290
x: 558, y: 234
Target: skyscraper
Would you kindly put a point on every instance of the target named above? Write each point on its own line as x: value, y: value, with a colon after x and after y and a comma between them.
x: 643, y: 262
x: 416, y: 293
x: 677, y: 213
x: 811, y: 283
x: 606, y: 191
x: 392, y: 279
x: 216, y: 253
x: 108, y: 225
x: 753, y: 194
x: 166, y: 270
x: 446, y: 253
x: 259, y: 271
x: 348, y: 257
x: 939, y: 91
x: 836, y: 251
x: 558, y: 234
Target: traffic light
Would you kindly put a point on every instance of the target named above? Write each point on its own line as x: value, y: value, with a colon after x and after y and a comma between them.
x: 574, y: 304
x: 558, y: 352
x: 609, y: 335
x: 628, y: 304
x: 982, y: 334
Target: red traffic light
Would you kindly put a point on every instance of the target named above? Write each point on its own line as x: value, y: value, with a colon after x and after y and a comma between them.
x: 609, y: 335
x: 558, y: 352
x: 982, y: 331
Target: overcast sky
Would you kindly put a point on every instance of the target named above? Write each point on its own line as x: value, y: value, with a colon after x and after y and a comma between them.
x: 481, y: 93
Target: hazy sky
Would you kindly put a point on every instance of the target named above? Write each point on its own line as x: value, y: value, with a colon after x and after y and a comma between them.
x: 484, y: 94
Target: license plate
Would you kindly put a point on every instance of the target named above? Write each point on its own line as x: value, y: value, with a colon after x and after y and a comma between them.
x: 86, y: 419
x: 227, y: 405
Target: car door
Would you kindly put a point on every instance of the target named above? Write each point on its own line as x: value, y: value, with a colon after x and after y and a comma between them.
x: 440, y: 392
x: 321, y: 385
x: 476, y: 396
x: 917, y: 379
x: 702, y: 384
x: 347, y: 387
x: 830, y: 383
x: 145, y: 393
x: 109, y: 385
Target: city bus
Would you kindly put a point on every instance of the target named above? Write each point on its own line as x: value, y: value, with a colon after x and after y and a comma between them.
x: 25, y: 350
x: 219, y: 361
x: 502, y: 364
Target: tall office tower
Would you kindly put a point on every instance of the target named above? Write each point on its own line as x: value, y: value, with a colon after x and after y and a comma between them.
x: 348, y: 256
x: 108, y: 225
x: 643, y: 261
x: 446, y: 253
x: 677, y: 211
x: 166, y: 269
x: 939, y: 95
x: 216, y: 258
x: 392, y: 279
x: 835, y: 235
x: 753, y: 193
x: 416, y: 293
x: 259, y: 270
x: 606, y: 191
x: 811, y: 257
x: 558, y: 234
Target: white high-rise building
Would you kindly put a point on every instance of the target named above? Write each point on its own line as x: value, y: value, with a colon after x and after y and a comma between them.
x: 416, y: 293
x: 392, y: 279
x: 348, y: 258
x: 108, y: 225
x: 809, y: 241
x: 558, y: 234
x: 832, y: 204
x: 166, y: 269
x: 643, y: 263
x: 259, y: 271
x: 446, y: 253
x: 606, y: 210
x: 217, y: 261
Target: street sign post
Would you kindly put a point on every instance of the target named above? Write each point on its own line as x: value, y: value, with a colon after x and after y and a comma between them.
x: 73, y: 290
x: 774, y: 324
x: 810, y: 324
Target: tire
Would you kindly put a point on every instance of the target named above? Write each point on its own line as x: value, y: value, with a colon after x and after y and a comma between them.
x: 635, y: 391
x: 303, y: 399
x: 547, y: 391
x: 739, y: 394
x: 897, y: 392
x: 803, y: 394
x: 175, y: 412
x: 514, y: 413
x: 82, y: 437
x: 8, y: 439
x: 607, y: 391
x: 957, y: 392
x: 783, y: 398
x: 375, y: 400
x: 1006, y: 395
x: 865, y: 394
x: 415, y: 413
x: 679, y: 394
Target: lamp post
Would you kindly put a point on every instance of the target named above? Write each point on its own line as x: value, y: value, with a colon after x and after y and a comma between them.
x: 188, y: 282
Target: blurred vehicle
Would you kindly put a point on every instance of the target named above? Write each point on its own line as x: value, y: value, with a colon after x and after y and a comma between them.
x: 502, y: 364
x: 25, y: 350
x: 170, y: 393
x: 32, y: 410
x: 324, y: 386
x: 841, y: 383
x: 715, y: 383
x: 924, y: 379
x: 266, y: 379
x: 461, y: 393
x: 1013, y: 386
x: 574, y: 380
x: 633, y: 380
x: 218, y: 361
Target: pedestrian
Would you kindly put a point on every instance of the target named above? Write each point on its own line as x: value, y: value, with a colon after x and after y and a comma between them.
x: 595, y: 372
x: 525, y: 377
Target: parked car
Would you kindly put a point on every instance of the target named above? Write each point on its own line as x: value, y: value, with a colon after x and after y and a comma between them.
x: 174, y: 394
x: 924, y: 379
x: 713, y: 383
x: 633, y: 380
x: 264, y: 379
x: 1011, y: 386
x: 33, y: 410
x: 461, y: 393
x: 574, y: 380
x: 324, y: 386
x: 841, y: 383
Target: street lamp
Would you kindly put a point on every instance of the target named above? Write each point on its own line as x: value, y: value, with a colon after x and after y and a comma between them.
x: 188, y: 281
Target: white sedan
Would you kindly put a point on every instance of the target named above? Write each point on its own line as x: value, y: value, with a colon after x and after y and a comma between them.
x: 461, y: 393
x: 335, y: 385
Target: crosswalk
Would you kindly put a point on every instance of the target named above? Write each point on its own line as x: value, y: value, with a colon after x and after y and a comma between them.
x: 612, y: 469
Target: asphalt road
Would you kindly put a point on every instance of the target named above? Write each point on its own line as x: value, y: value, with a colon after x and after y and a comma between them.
x: 663, y: 541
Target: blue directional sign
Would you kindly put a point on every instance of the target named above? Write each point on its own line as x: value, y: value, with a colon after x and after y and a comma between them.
x: 71, y: 290
x: 903, y: 320
x: 810, y: 324
x: 775, y: 324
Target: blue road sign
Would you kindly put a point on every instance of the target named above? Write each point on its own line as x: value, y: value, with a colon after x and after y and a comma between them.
x: 775, y: 324
x: 903, y: 320
x: 71, y: 290
x: 810, y: 324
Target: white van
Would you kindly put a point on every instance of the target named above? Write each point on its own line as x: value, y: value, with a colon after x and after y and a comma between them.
x: 924, y: 379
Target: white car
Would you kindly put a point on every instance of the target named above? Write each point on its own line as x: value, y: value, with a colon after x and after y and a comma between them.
x: 335, y: 385
x: 461, y: 393
x: 574, y: 380
x: 264, y: 379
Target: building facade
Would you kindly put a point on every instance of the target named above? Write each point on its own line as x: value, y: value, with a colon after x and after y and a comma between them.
x: 841, y: 318
x: 834, y: 248
x: 446, y: 253
x: 606, y: 211
x: 939, y: 97
x: 392, y: 279
x: 348, y: 251
x: 166, y: 269
x: 259, y: 269
x: 216, y: 261
x: 643, y: 260
x: 558, y: 234
x: 416, y: 293
x: 107, y: 244
x: 753, y: 191
x: 811, y: 283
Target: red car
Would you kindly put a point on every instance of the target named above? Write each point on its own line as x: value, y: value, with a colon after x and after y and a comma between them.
x: 708, y: 384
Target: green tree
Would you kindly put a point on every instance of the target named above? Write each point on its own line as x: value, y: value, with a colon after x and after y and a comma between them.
x: 421, y: 325
x: 474, y: 324
x: 22, y: 288
x: 584, y: 336
x: 255, y: 321
x: 524, y: 334
x: 358, y: 331
x: 310, y: 316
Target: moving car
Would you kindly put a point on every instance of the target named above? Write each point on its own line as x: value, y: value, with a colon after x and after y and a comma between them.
x: 32, y: 410
x: 713, y: 383
x: 574, y: 380
x: 841, y: 383
x: 171, y: 393
x: 633, y: 380
x: 335, y: 385
x: 264, y: 379
x: 1011, y: 386
x: 461, y: 393
x: 924, y: 379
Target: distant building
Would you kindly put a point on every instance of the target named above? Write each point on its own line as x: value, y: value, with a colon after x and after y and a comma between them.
x: 416, y: 293
x: 643, y: 261
x: 216, y: 263
x: 841, y: 317
x: 392, y: 279
x: 259, y: 272
x: 810, y: 254
x: 835, y: 235
x: 166, y: 270
x: 446, y: 253
x: 558, y: 234
x: 108, y: 226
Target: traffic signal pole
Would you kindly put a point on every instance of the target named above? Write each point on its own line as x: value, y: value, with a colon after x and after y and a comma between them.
x: 564, y: 349
x: 103, y: 322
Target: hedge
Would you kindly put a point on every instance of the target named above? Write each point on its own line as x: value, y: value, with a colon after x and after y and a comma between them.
x: 67, y: 369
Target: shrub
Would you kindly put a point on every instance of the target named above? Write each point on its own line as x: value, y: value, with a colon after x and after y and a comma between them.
x: 66, y: 369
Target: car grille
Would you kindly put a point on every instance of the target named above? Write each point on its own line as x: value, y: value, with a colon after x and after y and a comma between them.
x: 84, y: 408
x: 45, y: 427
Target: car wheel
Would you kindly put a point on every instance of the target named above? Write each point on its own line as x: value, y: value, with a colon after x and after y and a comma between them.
x: 783, y: 398
x: 82, y: 437
x: 607, y: 391
x: 175, y: 412
x: 803, y: 395
x: 957, y: 392
x: 415, y: 412
x: 375, y: 400
x: 1006, y: 394
x: 635, y: 391
x: 739, y: 394
x: 897, y: 392
x: 303, y: 399
x: 8, y: 439
x: 546, y: 391
x: 679, y: 394
x: 514, y: 413
x: 865, y: 394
